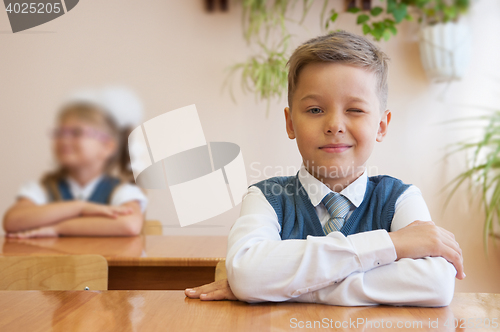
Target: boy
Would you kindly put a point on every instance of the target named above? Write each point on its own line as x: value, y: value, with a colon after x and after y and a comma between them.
x: 331, y: 234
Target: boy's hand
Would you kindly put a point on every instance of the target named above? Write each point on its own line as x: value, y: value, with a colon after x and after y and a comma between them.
x: 94, y: 210
x: 217, y: 290
x: 47, y: 231
x: 423, y: 238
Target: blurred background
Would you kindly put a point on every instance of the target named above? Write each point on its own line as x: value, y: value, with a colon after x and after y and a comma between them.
x: 177, y: 53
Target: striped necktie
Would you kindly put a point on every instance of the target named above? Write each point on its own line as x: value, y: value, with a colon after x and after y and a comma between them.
x: 338, y: 206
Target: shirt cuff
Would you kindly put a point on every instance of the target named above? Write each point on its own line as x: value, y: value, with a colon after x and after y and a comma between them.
x: 374, y: 248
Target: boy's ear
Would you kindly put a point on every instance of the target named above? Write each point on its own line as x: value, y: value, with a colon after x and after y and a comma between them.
x: 382, y: 127
x: 289, y: 123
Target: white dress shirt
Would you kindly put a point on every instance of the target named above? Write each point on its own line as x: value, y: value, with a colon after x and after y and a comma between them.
x: 124, y: 193
x: 360, y: 269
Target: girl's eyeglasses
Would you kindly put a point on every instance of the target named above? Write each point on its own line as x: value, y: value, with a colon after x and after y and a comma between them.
x: 78, y: 133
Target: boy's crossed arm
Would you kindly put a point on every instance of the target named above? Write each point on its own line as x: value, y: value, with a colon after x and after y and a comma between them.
x: 423, y: 238
x: 256, y: 277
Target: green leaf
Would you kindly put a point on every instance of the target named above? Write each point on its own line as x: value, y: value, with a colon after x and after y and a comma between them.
x: 422, y: 3
x: 450, y: 13
x: 376, y: 11
x: 400, y: 12
x: 430, y: 12
x: 334, y: 16
x: 462, y: 5
x: 391, y: 5
x: 353, y: 10
x: 393, y: 30
x: 387, y: 35
x: 366, y: 29
x: 323, y: 11
x: 377, y: 30
x: 363, y: 18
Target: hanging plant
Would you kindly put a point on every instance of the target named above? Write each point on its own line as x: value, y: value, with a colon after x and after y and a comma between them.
x: 263, y: 74
x: 265, y: 24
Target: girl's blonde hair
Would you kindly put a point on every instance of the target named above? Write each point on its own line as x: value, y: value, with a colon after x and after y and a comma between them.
x: 340, y: 47
x: 118, y: 164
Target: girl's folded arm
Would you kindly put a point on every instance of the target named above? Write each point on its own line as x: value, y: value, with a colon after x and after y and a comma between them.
x: 25, y: 214
x: 122, y: 225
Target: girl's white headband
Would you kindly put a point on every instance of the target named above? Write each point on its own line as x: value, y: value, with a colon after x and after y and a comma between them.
x: 120, y: 103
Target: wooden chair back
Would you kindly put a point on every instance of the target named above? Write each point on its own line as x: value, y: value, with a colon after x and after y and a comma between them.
x: 53, y: 272
x: 220, y: 270
x: 152, y: 227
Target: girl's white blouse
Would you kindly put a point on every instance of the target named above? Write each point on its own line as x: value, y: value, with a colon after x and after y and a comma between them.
x: 126, y: 192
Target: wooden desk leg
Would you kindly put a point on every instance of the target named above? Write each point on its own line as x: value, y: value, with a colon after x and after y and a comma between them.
x: 158, y: 277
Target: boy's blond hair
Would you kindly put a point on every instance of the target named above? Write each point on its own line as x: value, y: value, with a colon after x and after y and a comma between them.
x: 340, y: 47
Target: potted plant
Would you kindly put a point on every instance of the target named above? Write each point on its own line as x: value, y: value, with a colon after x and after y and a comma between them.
x: 445, y: 42
x: 483, y: 170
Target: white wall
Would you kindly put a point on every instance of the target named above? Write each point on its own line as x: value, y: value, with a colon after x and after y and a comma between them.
x: 174, y: 54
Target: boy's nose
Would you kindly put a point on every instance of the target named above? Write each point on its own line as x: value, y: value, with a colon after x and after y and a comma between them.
x: 335, y: 124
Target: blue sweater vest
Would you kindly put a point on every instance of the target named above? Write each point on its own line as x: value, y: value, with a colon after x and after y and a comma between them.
x: 101, y: 194
x: 298, y: 218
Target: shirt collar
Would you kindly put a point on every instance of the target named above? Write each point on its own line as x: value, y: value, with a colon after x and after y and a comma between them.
x: 317, y: 190
x: 82, y: 192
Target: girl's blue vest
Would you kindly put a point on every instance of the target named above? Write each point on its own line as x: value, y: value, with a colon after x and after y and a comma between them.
x: 101, y: 194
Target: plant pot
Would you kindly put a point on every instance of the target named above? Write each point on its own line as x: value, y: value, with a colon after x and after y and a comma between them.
x: 445, y: 50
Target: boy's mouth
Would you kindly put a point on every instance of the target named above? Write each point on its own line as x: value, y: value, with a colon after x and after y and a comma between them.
x: 335, y: 148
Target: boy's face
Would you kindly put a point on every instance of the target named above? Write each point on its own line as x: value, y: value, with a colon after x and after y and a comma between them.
x: 336, y: 120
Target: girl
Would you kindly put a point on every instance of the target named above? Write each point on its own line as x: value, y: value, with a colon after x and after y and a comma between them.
x: 90, y: 193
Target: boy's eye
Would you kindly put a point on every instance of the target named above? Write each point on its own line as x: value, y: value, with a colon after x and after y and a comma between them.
x: 314, y: 110
x: 355, y: 110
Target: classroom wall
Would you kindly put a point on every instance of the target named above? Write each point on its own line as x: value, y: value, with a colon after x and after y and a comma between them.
x: 174, y: 54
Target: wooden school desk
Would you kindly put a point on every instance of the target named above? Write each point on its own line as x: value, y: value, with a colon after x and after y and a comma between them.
x: 153, y: 262
x: 172, y: 311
